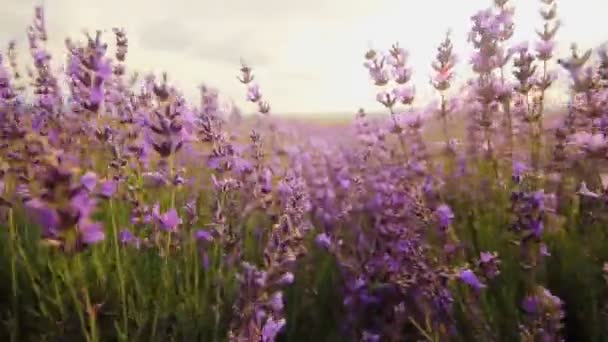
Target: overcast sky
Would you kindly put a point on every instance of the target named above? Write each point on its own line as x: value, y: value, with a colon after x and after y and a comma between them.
x: 307, y: 53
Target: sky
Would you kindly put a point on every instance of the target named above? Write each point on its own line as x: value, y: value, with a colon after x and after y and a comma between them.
x: 307, y: 54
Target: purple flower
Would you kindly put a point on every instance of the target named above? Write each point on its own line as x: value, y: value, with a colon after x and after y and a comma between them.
x: 242, y: 165
x: 272, y: 328
x: 104, y: 68
x: 203, y: 235
x: 89, y: 180
x: 486, y: 257
x: 266, y: 180
x: 402, y: 75
x: 253, y: 93
x: 538, y: 200
x: 530, y: 304
x: 489, y: 264
x: 405, y: 95
x: 154, y: 179
x: 519, y: 170
x: 215, y: 162
x: 323, y: 240
x: 84, y: 204
x: 545, y: 49
x: 170, y: 220
x: 276, y: 301
x: 398, y: 57
x: 345, y: 183
x: 468, y: 277
x: 91, y: 232
x: 41, y: 56
x: 97, y: 95
x: 386, y: 99
x: 286, y: 279
x: 43, y: 215
x: 445, y: 216
x: 521, y: 47
x: 544, y: 250
x: 370, y: 337
x: 126, y: 237
x: 108, y: 188
x: 590, y: 142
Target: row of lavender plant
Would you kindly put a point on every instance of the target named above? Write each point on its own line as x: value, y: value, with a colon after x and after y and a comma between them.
x: 130, y: 214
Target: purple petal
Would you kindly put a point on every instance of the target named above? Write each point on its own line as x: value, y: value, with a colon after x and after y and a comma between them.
x: 97, y: 95
x: 530, y: 304
x: 108, y: 188
x: 83, y: 203
x: 104, y: 69
x: 444, y: 214
x: 91, y: 232
x: 203, y: 235
x: 154, y: 179
x: 486, y: 257
x: 170, y: 220
x: 271, y: 329
x: 468, y: 277
x: 323, y: 240
x: 286, y: 279
x: 42, y: 214
x: 89, y: 180
x: 276, y: 301
x: 544, y: 250
x: 126, y: 236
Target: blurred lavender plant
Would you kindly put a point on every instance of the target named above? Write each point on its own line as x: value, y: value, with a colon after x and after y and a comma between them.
x: 222, y: 249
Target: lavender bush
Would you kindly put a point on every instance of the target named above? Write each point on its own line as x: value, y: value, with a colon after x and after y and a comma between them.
x: 129, y: 214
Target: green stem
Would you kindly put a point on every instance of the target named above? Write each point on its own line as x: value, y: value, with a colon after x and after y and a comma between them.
x: 402, y: 141
x: 56, y: 288
x: 422, y: 331
x: 218, y: 298
x: 15, y: 298
x: 121, y: 276
x: 91, y: 311
x: 69, y: 280
x: 171, y: 162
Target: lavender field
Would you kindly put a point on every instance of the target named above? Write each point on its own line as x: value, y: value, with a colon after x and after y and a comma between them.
x: 129, y: 213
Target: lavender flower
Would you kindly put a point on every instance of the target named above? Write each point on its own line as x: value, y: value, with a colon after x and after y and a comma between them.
x: 59, y: 213
x: 545, y: 315
x: 247, y: 196
x: 445, y: 216
x: 468, y: 277
x: 489, y: 265
x: 169, y: 220
x: 323, y: 240
x: 108, y: 188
